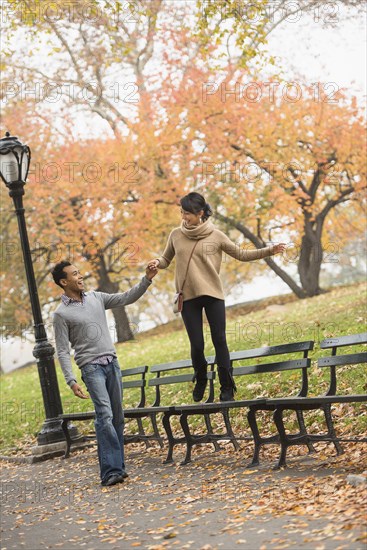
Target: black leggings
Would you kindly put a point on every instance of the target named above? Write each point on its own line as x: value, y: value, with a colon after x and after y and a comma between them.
x: 192, y: 315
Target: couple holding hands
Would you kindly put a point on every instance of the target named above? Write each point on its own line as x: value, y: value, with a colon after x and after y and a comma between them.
x: 198, y: 247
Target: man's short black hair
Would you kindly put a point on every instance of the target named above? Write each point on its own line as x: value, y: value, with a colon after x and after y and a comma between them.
x: 59, y: 273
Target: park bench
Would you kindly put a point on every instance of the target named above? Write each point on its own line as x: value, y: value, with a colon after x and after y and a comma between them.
x: 322, y: 402
x: 178, y: 373
x: 131, y: 378
x: 262, y: 361
x: 253, y: 405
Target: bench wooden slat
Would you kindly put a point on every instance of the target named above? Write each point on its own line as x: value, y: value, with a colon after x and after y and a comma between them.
x: 134, y: 383
x: 164, y: 380
x: 154, y: 410
x: 340, y: 360
x: 272, y: 367
x: 175, y: 365
x: 340, y: 341
x: 134, y: 370
x: 267, y: 351
x: 218, y: 407
x: 316, y: 401
x: 78, y: 416
x: 177, y: 378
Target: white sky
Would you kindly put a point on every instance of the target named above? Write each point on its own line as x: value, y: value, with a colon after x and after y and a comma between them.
x: 324, y: 54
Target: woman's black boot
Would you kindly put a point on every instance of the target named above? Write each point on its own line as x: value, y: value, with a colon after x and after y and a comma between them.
x: 227, y: 385
x: 201, y: 379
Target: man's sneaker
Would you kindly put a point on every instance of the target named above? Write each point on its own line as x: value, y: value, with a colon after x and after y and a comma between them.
x: 226, y: 394
x: 199, y: 390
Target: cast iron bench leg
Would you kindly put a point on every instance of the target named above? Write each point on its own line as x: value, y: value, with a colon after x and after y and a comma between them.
x: 171, y: 440
x: 210, y: 432
x: 64, y: 426
x: 231, y: 436
x: 153, y: 418
x: 303, y: 431
x: 331, y: 430
x: 185, y: 427
x: 251, y: 417
x: 142, y: 433
x: 278, y: 419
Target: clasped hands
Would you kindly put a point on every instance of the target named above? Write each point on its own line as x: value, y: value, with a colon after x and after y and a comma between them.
x: 152, y: 269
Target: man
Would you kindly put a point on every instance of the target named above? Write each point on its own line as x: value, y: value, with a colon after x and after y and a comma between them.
x: 81, y: 320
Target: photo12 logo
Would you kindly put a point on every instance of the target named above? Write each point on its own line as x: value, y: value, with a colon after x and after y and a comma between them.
x: 54, y: 92
x: 71, y: 11
x: 254, y: 92
x: 90, y: 172
x: 272, y: 11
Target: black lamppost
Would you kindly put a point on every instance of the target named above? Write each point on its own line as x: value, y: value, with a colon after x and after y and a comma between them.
x: 14, y: 165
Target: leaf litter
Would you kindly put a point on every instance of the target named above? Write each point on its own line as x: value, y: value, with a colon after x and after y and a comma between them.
x: 176, y: 502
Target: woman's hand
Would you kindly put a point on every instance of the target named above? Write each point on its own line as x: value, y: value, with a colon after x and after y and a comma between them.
x: 279, y: 248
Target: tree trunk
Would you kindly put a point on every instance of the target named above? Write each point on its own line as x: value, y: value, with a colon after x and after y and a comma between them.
x: 123, y: 331
x: 310, y: 258
x: 122, y: 325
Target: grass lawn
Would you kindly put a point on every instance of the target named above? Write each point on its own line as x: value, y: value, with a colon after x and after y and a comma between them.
x: 338, y: 312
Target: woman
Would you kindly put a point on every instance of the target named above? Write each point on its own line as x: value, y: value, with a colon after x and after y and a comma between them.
x: 203, y: 287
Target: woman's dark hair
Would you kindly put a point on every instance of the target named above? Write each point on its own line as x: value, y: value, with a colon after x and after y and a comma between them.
x: 194, y: 202
x: 59, y: 273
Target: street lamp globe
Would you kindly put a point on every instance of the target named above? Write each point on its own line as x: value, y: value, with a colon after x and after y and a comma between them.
x: 14, y: 160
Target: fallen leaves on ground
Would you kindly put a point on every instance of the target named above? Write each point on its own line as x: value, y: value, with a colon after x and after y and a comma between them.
x: 215, y: 496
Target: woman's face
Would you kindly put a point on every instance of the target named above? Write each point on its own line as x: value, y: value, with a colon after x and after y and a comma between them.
x: 190, y: 218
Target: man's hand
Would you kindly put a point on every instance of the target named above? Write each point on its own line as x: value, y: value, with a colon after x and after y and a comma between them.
x: 78, y: 391
x: 151, y: 271
x: 153, y: 264
x: 279, y: 248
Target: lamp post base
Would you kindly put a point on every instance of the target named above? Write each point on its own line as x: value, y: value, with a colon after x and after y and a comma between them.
x: 51, y: 440
x: 51, y: 432
x: 56, y: 449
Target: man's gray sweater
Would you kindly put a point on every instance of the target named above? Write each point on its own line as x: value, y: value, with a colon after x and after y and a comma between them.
x: 85, y: 327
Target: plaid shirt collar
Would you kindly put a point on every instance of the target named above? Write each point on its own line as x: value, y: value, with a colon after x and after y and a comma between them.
x: 67, y: 301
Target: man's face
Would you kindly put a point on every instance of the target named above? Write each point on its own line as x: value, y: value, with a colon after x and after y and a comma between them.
x: 74, y: 279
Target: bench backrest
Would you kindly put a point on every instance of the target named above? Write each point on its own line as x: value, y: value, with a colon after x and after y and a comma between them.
x: 177, y: 372
x: 332, y: 361
x: 139, y: 381
x: 263, y: 365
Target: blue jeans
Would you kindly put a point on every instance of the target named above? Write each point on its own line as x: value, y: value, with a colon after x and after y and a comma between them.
x: 104, y: 385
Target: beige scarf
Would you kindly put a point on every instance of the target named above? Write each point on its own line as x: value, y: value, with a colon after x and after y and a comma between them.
x: 197, y: 232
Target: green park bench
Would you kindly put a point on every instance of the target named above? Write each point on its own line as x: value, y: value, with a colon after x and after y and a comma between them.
x: 179, y: 373
x: 259, y: 365
x: 322, y: 402
x: 271, y: 361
